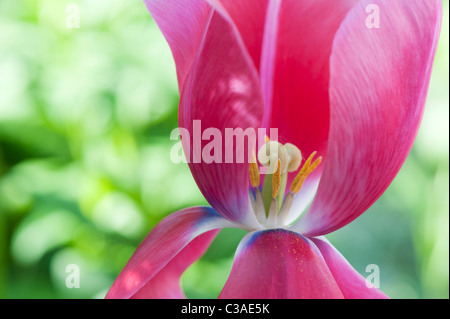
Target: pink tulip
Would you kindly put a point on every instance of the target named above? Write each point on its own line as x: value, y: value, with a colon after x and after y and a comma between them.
x: 333, y: 80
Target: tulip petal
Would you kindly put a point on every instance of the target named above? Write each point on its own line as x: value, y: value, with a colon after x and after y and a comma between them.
x: 295, y: 69
x: 166, y: 283
x: 378, y: 84
x: 295, y: 74
x: 249, y: 18
x: 183, y: 23
x: 222, y: 92
x: 277, y: 263
x: 165, y: 253
x: 351, y: 283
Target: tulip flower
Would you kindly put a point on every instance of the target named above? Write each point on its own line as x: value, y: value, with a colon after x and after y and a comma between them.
x: 343, y: 81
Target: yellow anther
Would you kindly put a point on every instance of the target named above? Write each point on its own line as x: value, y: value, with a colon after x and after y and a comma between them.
x: 254, y: 171
x: 276, y: 180
x: 266, y: 139
x: 313, y: 166
x: 306, y: 170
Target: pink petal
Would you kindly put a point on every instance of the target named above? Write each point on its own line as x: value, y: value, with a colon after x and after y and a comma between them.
x: 295, y: 72
x: 162, y: 257
x: 378, y: 85
x: 351, y: 283
x: 166, y: 283
x: 279, y: 264
x: 183, y: 23
x: 249, y: 18
x: 222, y: 91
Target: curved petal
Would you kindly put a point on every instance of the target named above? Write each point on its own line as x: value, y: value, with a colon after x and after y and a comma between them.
x: 249, y: 18
x: 351, y: 283
x: 277, y: 263
x: 166, y: 283
x: 222, y: 95
x: 295, y: 73
x: 183, y: 23
x: 163, y: 247
x: 378, y: 85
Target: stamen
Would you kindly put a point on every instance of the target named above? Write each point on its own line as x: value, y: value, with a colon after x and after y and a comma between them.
x: 276, y: 180
x: 266, y: 139
x: 273, y: 212
x: 285, y: 208
x: 304, y: 172
x: 301, y: 173
x: 254, y: 172
x: 314, y: 165
x: 269, y: 203
x: 259, y: 207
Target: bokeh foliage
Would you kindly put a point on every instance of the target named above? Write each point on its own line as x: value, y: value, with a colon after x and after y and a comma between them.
x: 85, y: 119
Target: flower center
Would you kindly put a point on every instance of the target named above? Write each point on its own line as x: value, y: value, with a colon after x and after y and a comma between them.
x: 270, y: 206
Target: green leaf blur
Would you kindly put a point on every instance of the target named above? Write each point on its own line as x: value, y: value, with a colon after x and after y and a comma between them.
x: 85, y: 118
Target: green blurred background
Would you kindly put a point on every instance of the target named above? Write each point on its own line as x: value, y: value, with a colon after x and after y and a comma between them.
x: 85, y: 119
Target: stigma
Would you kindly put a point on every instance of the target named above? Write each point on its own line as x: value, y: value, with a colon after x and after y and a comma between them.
x: 270, y: 205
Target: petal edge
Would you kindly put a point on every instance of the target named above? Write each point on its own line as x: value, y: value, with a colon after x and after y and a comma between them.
x: 162, y: 245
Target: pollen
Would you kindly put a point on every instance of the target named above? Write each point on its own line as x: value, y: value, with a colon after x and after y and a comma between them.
x: 276, y: 180
x: 306, y: 170
x: 254, y: 172
x: 270, y: 203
